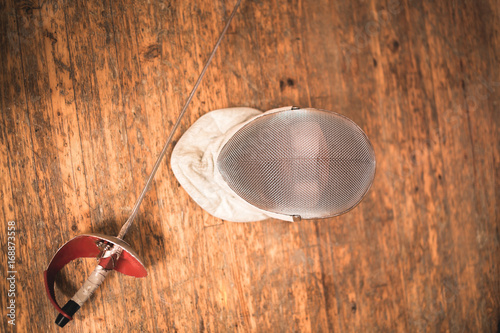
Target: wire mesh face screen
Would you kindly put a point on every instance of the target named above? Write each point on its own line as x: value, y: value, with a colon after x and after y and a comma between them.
x: 301, y: 162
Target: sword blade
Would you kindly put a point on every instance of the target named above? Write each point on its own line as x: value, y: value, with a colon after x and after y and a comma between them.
x: 137, y: 205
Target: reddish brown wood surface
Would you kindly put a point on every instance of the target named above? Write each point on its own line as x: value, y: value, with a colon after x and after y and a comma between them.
x: 90, y: 89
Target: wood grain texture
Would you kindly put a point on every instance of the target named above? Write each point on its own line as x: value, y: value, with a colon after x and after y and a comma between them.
x: 90, y: 89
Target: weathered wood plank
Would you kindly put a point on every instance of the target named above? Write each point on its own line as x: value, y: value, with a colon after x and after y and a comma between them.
x: 89, y: 91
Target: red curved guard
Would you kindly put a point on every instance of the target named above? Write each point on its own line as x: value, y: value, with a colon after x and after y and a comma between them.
x: 84, y: 246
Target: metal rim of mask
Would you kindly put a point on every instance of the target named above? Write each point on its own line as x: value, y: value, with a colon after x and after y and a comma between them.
x: 302, y: 162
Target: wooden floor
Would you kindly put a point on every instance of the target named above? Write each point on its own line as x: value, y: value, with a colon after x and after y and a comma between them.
x: 90, y: 89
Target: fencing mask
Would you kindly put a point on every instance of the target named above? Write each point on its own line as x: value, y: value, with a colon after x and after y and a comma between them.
x: 243, y: 165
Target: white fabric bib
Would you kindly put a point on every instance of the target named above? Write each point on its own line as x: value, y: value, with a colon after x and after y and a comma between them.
x: 194, y: 160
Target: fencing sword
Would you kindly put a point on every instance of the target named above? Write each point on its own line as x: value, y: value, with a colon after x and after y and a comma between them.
x: 112, y: 252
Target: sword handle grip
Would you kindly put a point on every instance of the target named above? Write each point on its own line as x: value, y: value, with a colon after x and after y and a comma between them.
x: 82, y: 295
